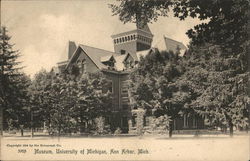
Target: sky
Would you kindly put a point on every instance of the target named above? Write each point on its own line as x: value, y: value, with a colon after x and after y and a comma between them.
x: 41, y: 30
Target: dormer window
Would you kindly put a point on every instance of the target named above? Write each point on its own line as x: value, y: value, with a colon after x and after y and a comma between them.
x: 109, y: 61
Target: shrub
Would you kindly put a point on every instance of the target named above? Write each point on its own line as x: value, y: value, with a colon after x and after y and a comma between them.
x: 100, y: 126
x: 118, y: 131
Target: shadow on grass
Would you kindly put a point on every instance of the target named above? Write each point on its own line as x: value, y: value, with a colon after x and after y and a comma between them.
x: 47, y: 137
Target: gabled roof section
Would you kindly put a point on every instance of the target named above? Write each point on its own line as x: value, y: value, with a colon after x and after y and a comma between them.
x: 106, y: 58
x: 120, y: 58
x: 94, y: 54
x: 119, y: 65
x: 167, y: 44
x: 173, y: 44
x: 142, y: 53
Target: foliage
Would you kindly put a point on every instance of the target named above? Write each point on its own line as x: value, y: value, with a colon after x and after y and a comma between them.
x: 219, y: 86
x: 93, y: 100
x: 141, y: 11
x: 13, y: 84
x: 101, y: 128
x: 161, y: 122
x: 216, y: 75
x: 66, y: 104
x: 154, y: 86
x: 226, y: 25
x: 118, y: 131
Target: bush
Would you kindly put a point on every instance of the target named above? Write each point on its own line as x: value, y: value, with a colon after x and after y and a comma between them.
x: 100, y: 126
x: 118, y: 131
x: 161, y: 123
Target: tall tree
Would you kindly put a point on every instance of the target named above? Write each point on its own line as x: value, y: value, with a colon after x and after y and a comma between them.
x: 226, y: 31
x: 13, y: 82
x: 154, y: 86
x: 94, y: 99
x: 219, y: 87
x: 53, y: 98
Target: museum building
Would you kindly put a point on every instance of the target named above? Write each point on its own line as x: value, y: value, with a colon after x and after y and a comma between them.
x: 129, y: 47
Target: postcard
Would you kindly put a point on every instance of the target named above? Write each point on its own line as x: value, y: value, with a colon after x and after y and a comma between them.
x: 124, y: 80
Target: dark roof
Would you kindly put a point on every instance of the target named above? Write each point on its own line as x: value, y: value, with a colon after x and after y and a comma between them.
x: 95, y: 54
x: 172, y: 45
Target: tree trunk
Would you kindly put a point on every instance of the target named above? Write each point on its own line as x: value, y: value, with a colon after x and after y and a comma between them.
x: 59, y: 130
x: 32, y: 124
x: 21, y: 132
x: 82, y: 126
x: 21, y: 128
x: 170, y: 132
x: 1, y: 121
x: 231, y: 129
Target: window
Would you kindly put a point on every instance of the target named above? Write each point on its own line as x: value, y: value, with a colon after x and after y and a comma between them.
x: 185, y: 121
x: 144, y: 121
x: 123, y: 51
x: 123, y: 39
x: 133, y: 120
x: 126, y: 39
x: 120, y: 40
x: 114, y: 41
x: 110, y: 87
x: 134, y: 37
x: 129, y: 64
x: 83, y: 69
x: 107, y: 120
x: 131, y: 37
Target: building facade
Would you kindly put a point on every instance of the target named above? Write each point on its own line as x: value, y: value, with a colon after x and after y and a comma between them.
x: 116, y: 65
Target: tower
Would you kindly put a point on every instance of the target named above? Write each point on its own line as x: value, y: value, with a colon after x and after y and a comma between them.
x: 132, y: 41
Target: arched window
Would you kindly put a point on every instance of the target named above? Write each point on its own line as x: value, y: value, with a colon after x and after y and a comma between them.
x: 131, y: 37
x: 126, y: 39
x: 122, y: 39
x: 134, y: 37
x: 114, y: 41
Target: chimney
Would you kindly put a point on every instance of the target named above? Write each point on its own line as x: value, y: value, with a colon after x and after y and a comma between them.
x: 71, y: 49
